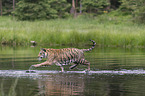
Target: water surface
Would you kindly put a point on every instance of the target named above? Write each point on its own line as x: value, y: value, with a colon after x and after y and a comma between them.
x: 114, y: 72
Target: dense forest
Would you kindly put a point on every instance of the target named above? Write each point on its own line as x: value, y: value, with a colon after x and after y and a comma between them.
x: 108, y: 22
x: 51, y: 9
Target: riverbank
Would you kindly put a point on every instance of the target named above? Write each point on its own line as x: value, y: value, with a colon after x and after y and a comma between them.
x: 106, y: 30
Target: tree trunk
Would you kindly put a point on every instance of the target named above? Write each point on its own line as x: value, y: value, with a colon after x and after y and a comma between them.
x: 13, y: 6
x: 80, y: 7
x: 73, y: 10
x: 1, y: 7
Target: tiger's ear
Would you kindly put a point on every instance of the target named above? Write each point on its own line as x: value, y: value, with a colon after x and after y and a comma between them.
x: 43, y: 49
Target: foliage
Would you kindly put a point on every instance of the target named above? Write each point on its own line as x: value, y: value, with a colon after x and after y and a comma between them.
x: 139, y: 13
x: 134, y: 7
x: 127, y: 6
x: 61, y: 6
x: 94, y: 6
x: 7, y: 6
x: 41, y: 9
x: 30, y: 10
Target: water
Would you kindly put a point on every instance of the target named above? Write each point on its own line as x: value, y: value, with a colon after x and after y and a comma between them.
x: 114, y: 72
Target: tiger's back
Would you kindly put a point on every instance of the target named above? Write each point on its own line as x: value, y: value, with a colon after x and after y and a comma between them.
x: 67, y: 55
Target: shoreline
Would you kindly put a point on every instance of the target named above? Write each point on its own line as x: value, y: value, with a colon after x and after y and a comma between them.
x: 105, y: 32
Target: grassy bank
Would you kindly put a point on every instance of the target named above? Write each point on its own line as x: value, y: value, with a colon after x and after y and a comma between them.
x: 105, y: 30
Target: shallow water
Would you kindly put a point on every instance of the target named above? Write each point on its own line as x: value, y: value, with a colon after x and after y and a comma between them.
x: 114, y: 72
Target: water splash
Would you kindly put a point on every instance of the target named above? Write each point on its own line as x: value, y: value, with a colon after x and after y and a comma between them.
x: 31, y: 69
x: 39, y: 73
x: 16, y: 73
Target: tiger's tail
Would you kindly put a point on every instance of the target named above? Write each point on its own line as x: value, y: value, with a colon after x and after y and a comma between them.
x: 93, y: 46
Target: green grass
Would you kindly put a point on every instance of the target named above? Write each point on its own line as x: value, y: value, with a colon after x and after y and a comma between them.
x: 106, y: 30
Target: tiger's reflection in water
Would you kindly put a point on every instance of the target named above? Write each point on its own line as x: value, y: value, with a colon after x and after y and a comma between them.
x: 61, y: 85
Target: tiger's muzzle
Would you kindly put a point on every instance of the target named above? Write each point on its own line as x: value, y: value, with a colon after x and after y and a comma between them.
x: 40, y: 58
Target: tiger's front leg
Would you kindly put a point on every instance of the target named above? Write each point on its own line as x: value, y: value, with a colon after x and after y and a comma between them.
x: 42, y: 64
x: 58, y: 64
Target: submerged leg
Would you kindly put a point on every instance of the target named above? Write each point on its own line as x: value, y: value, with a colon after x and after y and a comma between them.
x: 62, y: 69
x: 85, y: 62
x: 58, y: 64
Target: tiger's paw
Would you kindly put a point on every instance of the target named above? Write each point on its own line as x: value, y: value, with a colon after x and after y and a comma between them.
x: 62, y: 71
x: 87, y: 71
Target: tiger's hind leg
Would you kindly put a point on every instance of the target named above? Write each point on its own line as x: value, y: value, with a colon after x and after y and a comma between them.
x: 73, y: 66
x: 85, y: 62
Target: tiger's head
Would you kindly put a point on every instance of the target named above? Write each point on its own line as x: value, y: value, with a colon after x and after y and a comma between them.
x: 42, y: 54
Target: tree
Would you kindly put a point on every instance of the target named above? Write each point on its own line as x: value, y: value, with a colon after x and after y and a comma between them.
x: 61, y: 6
x: 7, y: 7
x: 1, y: 6
x: 13, y: 5
x: 136, y: 8
x: 139, y: 13
x: 94, y: 6
x: 41, y: 9
x: 32, y: 10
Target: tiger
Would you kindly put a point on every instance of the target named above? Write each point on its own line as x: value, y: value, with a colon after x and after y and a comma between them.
x: 64, y: 56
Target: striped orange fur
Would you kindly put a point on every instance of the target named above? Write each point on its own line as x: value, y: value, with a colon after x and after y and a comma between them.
x: 64, y: 56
